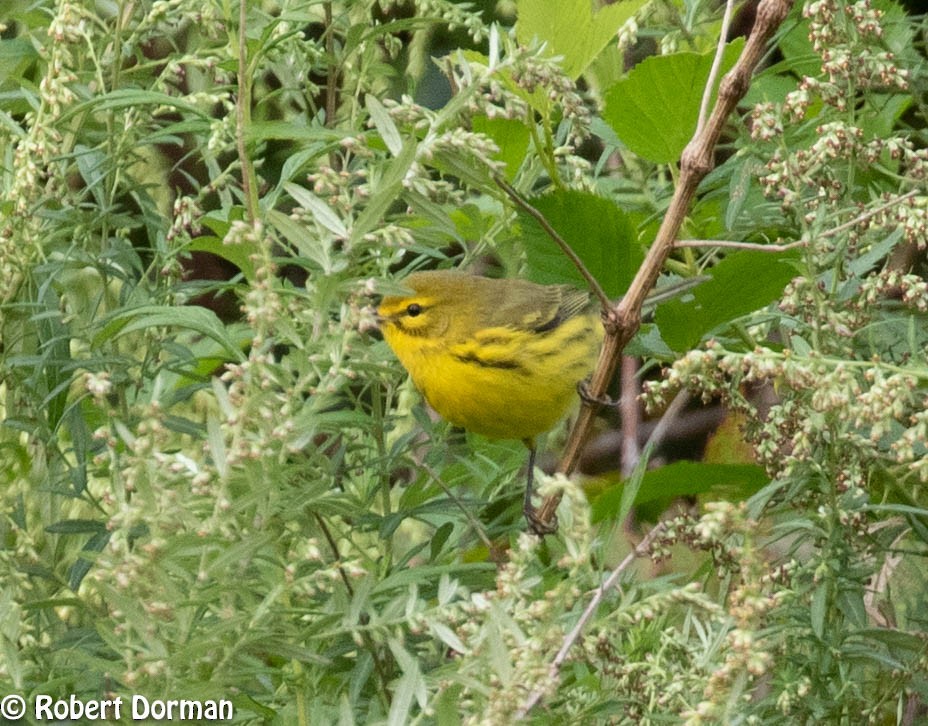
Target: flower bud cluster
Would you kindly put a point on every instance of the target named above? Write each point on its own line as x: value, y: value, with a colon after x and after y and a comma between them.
x: 873, y: 413
x: 456, y: 16
x: 530, y: 72
x: 847, y: 36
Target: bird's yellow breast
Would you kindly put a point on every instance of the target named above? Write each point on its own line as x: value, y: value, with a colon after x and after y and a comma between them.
x: 502, y: 382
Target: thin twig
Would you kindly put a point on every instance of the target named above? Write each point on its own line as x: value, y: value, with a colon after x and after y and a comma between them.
x: 552, y: 233
x: 716, y: 65
x: 640, y: 550
x: 870, y: 213
x: 333, y: 545
x: 474, y: 522
x: 828, y: 233
x: 730, y: 245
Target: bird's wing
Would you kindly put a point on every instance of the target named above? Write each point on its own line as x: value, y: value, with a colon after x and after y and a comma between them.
x: 538, y: 308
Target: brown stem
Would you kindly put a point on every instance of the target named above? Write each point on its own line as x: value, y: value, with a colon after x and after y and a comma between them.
x: 331, y: 81
x: 243, y: 118
x: 628, y: 405
x: 622, y: 321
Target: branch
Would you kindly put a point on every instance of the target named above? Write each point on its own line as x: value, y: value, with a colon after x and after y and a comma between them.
x: 561, y: 242
x: 623, y: 320
x: 729, y: 245
x: 863, y: 217
x: 554, y: 669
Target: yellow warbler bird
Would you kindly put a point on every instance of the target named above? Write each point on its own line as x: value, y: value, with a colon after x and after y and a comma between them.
x: 501, y: 358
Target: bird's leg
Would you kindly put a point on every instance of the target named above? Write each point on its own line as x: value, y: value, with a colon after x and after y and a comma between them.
x: 539, y: 527
x: 583, y: 388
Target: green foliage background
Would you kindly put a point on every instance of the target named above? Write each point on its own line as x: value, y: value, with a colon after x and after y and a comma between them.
x: 248, y: 501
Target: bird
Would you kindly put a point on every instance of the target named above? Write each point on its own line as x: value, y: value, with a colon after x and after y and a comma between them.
x: 499, y: 357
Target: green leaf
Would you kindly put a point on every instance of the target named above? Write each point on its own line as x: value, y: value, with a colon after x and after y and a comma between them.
x: 798, y: 54
x: 647, y: 343
x: 683, y: 478
x: 632, y: 485
x: 82, y: 565
x: 894, y: 639
x: 447, y: 636
x: 470, y: 170
x: 655, y: 109
x: 739, y: 186
x: 570, y: 28
x: 819, y: 608
x: 238, y: 254
x: 317, y: 248
x: 386, y: 187
x: 447, y: 706
x: 439, y: 538
x: 132, y: 98
x: 16, y: 55
x: 740, y: 284
x: 76, y: 526
x: 322, y: 212
x: 259, y: 131
x: 199, y: 320
x: 384, y: 124
x: 598, y: 231
x: 510, y: 135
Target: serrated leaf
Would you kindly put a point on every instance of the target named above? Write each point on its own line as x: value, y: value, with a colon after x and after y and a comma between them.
x: 740, y: 284
x: 598, y: 231
x: 655, y: 109
x: 571, y: 29
x: 510, y: 135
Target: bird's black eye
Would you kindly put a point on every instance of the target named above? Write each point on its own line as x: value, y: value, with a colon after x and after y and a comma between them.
x: 413, y: 309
